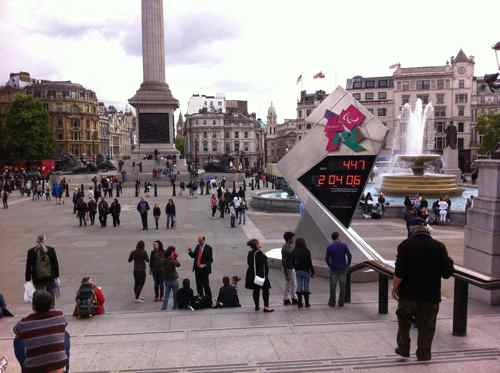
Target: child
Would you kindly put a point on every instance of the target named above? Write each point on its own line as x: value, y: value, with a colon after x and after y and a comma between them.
x: 228, y: 295
x: 185, y: 296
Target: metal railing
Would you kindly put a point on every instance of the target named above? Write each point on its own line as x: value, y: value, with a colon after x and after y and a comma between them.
x: 463, y: 278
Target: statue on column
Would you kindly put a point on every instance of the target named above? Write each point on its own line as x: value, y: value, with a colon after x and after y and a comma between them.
x: 451, y: 136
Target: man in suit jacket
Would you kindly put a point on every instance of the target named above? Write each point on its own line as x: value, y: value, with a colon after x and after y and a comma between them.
x: 42, y: 275
x: 202, y: 266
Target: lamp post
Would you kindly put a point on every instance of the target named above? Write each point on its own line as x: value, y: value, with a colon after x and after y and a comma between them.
x: 496, y: 48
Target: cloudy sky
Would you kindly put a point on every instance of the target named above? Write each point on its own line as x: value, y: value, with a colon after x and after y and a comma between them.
x: 252, y: 50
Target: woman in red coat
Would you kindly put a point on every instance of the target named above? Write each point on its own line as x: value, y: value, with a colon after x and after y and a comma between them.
x: 99, y: 294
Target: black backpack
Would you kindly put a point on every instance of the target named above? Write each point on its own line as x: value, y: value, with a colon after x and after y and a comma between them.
x: 86, y: 302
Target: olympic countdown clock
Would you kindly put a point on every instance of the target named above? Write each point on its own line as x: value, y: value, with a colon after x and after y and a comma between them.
x: 330, y: 166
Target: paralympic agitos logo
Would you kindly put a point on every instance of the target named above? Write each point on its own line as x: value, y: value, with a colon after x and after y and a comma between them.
x: 344, y: 128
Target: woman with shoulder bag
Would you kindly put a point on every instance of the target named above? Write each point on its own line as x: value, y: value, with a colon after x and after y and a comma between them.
x: 257, y: 276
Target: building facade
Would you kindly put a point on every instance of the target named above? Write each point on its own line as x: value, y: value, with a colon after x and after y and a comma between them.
x: 104, y: 130
x: 280, y: 138
x: 484, y: 101
x: 449, y: 87
x: 198, y: 103
x: 233, y: 136
x: 72, y: 116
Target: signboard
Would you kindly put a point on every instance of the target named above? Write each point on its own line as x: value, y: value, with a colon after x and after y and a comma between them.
x: 154, y: 128
x: 329, y: 168
x: 337, y: 182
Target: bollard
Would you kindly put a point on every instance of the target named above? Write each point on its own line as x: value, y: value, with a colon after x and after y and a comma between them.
x: 347, y: 294
x: 383, y: 294
x: 234, y: 185
x: 136, y: 191
x: 252, y: 185
x: 207, y: 191
x: 156, y: 190
x: 460, y: 300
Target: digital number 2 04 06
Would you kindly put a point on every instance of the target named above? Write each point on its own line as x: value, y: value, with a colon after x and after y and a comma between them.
x: 339, y: 180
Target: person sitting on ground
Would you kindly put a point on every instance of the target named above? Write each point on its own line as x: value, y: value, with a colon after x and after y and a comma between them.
x: 185, y: 296
x: 228, y: 295
x: 4, y: 312
x: 86, y: 300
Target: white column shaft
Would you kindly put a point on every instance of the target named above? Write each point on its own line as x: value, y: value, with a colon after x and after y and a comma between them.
x: 153, y: 41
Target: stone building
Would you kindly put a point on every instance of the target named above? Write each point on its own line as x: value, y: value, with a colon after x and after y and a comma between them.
x: 484, y: 101
x: 449, y: 87
x: 198, y: 102
x: 280, y: 138
x: 103, y: 128
x: 234, y: 136
x: 72, y: 116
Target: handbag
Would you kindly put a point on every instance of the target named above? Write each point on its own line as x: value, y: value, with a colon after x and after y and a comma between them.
x: 257, y: 280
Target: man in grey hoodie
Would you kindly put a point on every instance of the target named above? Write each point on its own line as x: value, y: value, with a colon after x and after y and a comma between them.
x: 289, y: 296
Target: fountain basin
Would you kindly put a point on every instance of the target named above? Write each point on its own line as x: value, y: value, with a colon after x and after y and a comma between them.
x: 277, y: 201
x: 418, y: 161
x: 427, y: 185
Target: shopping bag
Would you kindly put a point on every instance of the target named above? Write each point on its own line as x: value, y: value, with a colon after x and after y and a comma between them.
x: 57, y: 288
x: 29, y: 289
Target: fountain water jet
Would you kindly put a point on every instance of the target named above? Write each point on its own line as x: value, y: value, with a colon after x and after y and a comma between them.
x: 414, y: 155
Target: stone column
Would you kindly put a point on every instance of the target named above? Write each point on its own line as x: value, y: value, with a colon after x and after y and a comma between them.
x: 153, y: 41
x: 482, y: 232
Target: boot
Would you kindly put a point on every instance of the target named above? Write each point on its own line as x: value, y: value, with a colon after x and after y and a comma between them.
x: 306, y: 299
x: 299, y: 300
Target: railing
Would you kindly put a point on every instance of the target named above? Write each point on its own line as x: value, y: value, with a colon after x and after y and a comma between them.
x: 463, y: 278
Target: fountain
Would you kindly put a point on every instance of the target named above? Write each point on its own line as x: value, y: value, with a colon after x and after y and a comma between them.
x: 412, y: 144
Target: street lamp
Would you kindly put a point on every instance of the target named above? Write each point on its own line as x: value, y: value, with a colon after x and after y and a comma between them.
x: 496, y: 48
x: 491, y: 79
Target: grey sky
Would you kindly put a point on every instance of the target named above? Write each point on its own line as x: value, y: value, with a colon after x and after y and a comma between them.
x: 250, y: 50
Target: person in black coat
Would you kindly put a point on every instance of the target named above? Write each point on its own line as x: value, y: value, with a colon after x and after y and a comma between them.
x: 42, y: 275
x: 92, y: 207
x: 82, y: 208
x: 156, y: 214
x: 170, y: 212
x: 103, y: 208
x: 115, y: 210
x: 228, y: 295
x: 304, y: 270
x: 143, y: 208
x: 257, y: 265
x: 202, y: 267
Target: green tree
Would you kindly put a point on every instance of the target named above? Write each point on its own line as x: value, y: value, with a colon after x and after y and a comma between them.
x: 488, y: 126
x: 179, y: 143
x: 27, y: 132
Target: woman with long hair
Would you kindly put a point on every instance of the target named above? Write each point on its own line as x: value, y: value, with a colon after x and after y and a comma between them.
x: 257, y: 276
x: 171, y: 277
x: 304, y: 270
x: 157, y: 268
x: 139, y: 256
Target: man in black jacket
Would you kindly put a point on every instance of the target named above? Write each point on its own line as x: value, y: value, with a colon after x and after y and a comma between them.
x: 420, y: 264
x: 92, y: 206
x: 202, y: 267
x: 143, y: 208
x: 103, y: 212
x: 42, y: 266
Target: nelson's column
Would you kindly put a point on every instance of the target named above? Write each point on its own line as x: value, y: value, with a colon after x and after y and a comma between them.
x: 154, y: 102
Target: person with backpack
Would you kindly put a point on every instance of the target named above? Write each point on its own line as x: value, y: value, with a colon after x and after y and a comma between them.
x: 156, y: 214
x: 42, y: 266
x: 140, y: 257
x: 228, y: 295
x: 257, y: 276
x: 185, y: 296
x: 171, y: 278
x: 170, y: 212
x: 157, y: 269
x: 103, y: 208
x: 304, y: 271
x: 115, y: 210
x: 86, y: 300
x: 92, y: 207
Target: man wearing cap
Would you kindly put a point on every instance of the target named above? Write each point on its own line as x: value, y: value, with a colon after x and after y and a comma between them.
x: 421, y: 262
x: 42, y: 266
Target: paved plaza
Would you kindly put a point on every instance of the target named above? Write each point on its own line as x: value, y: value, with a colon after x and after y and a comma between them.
x: 138, y: 337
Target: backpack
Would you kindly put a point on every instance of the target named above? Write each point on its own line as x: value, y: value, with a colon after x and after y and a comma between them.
x: 86, y: 302
x: 43, y: 265
x: 200, y: 303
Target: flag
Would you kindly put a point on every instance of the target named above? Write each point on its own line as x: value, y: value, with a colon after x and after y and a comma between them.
x: 319, y: 75
x: 299, y: 79
x: 395, y: 66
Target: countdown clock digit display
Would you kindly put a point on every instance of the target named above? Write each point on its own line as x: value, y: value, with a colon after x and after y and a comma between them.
x: 338, y: 181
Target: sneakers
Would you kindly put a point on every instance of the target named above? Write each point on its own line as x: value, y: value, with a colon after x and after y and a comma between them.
x: 138, y: 300
x: 286, y: 302
x: 401, y: 352
x: 266, y: 309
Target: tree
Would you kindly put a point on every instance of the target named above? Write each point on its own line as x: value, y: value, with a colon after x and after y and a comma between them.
x: 488, y: 126
x: 179, y: 143
x: 27, y: 132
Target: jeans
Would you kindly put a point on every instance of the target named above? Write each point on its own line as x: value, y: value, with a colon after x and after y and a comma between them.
x: 340, y: 278
x: 139, y: 280
x: 158, y: 281
x: 243, y: 217
x: 170, y: 286
x: 303, y: 279
x: 170, y: 221
x: 20, y: 351
x: 290, y: 285
x: 144, y: 219
x: 425, y: 314
x: 157, y: 219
